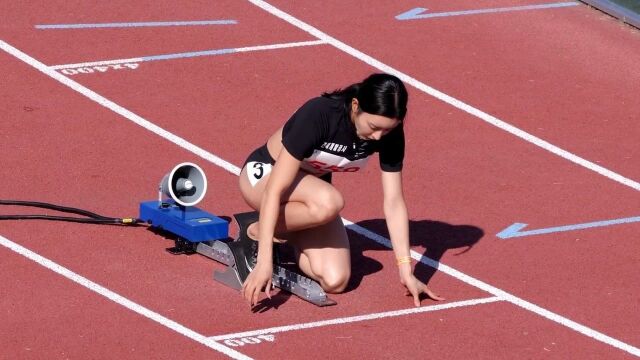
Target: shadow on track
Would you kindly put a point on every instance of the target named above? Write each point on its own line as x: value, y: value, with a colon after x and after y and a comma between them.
x: 435, y: 237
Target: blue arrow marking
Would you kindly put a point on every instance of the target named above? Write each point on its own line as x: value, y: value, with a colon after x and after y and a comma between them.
x: 412, y: 14
x: 416, y: 13
x: 514, y: 230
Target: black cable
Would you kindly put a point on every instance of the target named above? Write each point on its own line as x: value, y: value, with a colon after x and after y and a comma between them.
x: 52, y: 207
x: 61, y: 218
x: 91, y: 218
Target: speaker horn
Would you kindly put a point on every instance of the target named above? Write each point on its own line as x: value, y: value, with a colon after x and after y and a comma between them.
x: 186, y: 184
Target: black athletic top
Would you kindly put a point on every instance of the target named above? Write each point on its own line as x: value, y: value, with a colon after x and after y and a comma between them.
x: 323, y: 137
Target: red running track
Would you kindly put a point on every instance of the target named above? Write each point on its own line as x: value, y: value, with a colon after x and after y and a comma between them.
x: 464, y: 178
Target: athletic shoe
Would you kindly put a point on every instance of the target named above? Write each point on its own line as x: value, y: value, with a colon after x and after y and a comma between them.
x: 244, y: 249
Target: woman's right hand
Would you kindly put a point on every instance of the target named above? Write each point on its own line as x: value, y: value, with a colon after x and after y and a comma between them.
x: 415, y: 287
x: 258, y: 279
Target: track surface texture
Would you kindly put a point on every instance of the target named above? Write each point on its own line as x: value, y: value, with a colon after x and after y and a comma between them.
x: 519, y: 116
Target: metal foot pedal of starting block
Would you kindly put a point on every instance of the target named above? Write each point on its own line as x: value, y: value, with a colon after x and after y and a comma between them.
x: 216, y: 250
x: 299, y: 285
x: 229, y: 277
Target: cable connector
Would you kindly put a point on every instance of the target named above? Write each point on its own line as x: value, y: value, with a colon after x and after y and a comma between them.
x: 129, y: 221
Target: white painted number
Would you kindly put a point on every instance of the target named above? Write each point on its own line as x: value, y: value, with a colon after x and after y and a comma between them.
x: 99, y: 68
x: 234, y: 342
x: 85, y: 70
x: 250, y: 340
x: 270, y: 338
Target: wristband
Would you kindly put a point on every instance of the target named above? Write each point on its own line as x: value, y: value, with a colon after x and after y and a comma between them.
x: 403, y: 260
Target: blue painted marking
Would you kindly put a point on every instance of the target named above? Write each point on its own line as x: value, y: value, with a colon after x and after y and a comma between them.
x: 137, y: 24
x: 514, y: 230
x: 412, y: 14
x: 417, y: 13
x: 188, y: 54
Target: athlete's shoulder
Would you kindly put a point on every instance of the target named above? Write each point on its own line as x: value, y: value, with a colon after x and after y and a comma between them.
x: 322, y: 103
x: 319, y: 108
x: 309, y: 127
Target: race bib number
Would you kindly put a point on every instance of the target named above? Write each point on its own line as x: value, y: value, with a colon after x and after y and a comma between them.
x: 256, y: 171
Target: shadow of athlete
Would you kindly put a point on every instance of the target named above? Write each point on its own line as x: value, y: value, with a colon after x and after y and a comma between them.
x: 435, y: 236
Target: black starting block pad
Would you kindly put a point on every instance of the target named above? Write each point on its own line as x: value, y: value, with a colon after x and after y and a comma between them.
x: 299, y: 285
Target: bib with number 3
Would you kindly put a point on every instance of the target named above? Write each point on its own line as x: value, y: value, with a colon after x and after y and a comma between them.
x: 257, y: 170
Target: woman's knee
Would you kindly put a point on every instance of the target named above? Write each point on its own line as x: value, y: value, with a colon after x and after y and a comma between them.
x: 335, y: 282
x: 326, y: 206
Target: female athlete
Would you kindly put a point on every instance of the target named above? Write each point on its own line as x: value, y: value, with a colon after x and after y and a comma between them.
x: 288, y: 180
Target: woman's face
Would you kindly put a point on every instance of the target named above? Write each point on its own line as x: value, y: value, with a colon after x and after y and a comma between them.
x: 370, y: 126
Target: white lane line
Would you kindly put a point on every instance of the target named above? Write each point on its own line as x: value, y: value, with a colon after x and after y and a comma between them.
x: 279, y: 46
x: 444, y: 97
x: 499, y: 293
x: 119, y: 109
x: 191, y: 54
x: 353, y: 319
x: 236, y: 170
x: 120, y: 300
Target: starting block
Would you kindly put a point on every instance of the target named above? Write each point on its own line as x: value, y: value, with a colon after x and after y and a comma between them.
x: 200, y: 232
x: 301, y: 286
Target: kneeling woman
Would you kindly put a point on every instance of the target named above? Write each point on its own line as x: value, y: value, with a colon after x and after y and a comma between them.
x: 289, y: 181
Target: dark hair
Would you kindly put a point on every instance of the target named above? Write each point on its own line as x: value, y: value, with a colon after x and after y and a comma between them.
x: 378, y: 94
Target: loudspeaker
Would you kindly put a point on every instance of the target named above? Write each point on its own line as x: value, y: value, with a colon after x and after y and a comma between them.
x: 186, y: 184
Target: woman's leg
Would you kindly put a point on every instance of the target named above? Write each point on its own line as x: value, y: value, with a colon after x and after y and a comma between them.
x: 309, y: 219
x: 323, y: 254
x: 309, y: 202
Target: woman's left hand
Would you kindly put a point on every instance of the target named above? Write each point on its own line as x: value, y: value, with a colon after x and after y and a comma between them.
x: 415, y: 287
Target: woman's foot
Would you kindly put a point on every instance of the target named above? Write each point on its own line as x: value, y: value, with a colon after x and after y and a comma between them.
x: 244, y: 249
x: 252, y: 231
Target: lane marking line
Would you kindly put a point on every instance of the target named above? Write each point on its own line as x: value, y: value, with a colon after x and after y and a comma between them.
x: 353, y: 319
x: 499, y: 293
x: 120, y: 300
x: 136, y: 24
x: 191, y: 54
x: 119, y: 109
x: 444, y: 97
x: 373, y: 236
x: 416, y: 13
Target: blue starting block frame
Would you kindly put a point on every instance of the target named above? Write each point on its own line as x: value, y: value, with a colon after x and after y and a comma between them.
x: 189, y: 223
